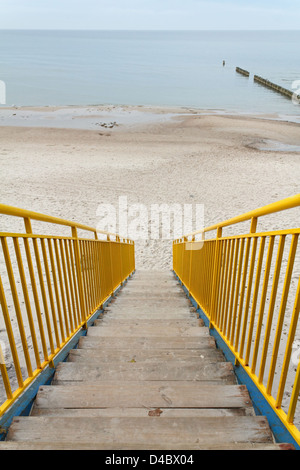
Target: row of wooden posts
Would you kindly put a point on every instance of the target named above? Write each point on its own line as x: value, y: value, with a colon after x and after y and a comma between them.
x: 268, y: 84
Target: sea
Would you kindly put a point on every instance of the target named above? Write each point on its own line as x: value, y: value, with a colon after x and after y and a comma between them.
x: 194, y: 69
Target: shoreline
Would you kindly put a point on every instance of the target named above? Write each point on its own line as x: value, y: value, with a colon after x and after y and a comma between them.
x: 130, y: 118
x: 65, y: 115
x: 65, y: 161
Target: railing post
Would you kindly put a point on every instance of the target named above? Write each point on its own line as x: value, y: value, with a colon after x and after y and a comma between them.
x: 27, y: 223
x: 111, y: 266
x: 190, y: 270
x: 184, y: 241
x: 215, y: 277
x: 118, y: 239
x: 79, y: 274
x: 4, y: 374
x: 253, y: 226
x: 11, y: 339
x: 28, y: 228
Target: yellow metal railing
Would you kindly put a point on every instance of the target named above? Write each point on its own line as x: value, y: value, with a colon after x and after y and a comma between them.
x: 248, y: 286
x: 49, y: 288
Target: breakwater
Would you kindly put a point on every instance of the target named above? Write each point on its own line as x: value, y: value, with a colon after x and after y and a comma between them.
x: 242, y: 72
x: 273, y: 86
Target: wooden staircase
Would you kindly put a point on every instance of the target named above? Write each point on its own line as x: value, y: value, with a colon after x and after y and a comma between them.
x: 146, y: 376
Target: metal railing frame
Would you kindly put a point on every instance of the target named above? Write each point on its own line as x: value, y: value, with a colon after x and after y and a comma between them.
x: 226, y: 276
x: 70, y: 278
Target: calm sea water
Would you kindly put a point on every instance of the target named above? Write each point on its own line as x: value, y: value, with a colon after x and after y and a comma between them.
x: 150, y: 68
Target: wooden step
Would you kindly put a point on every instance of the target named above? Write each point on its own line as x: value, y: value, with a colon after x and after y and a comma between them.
x: 153, y: 342
x: 54, y: 445
x: 162, y: 289
x: 148, y: 307
x: 218, y: 372
x: 160, y: 412
x: 150, y: 295
x: 139, y: 302
x: 143, y: 394
x: 110, y: 320
x: 145, y: 433
x: 100, y: 355
x: 140, y: 296
x: 152, y: 330
x: 163, y: 314
x: 182, y: 307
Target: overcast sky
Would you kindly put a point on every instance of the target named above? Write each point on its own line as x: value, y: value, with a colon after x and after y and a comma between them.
x: 149, y: 14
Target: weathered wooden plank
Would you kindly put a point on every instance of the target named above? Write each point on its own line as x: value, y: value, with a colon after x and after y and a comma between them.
x: 219, y: 372
x: 153, y: 290
x: 153, y: 293
x: 150, y: 304
x: 144, y: 432
x: 180, y: 303
x: 140, y: 296
x: 54, y: 445
x: 111, y: 320
x: 100, y: 355
x: 148, y: 307
x: 156, y: 342
x: 147, y: 311
x: 174, y: 297
x: 145, y: 395
x: 142, y: 412
x: 131, y: 314
x: 173, y: 304
x: 152, y: 330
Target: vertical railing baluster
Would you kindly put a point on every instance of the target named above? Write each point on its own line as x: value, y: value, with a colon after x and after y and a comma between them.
x: 262, y: 303
x: 27, y: 302
x: 16, y: 302
x: 10, y: 335
x: 271, y: 308
x: 289, y: 346
x: 254, y: 300
x: 79, y: 275
x: 282, y: 308
x: 56, y: 291
x: 34, y: 289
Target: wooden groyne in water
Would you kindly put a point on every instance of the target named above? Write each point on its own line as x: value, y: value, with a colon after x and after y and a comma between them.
x: 273, y: 86
x: 242, y: 71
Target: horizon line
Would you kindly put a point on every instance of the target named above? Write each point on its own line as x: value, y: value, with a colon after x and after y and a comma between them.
x: 144, y: 30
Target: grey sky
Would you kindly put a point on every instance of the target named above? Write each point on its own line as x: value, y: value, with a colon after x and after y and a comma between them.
x: 149, y: 14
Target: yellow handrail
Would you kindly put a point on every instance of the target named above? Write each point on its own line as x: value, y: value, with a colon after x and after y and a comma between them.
x: 30, y: 215
x: 284, y: 204
x: 49, y: 288
x: 248, y: 286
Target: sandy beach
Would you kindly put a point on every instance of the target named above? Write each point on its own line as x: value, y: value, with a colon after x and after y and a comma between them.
x: 67, y: 161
